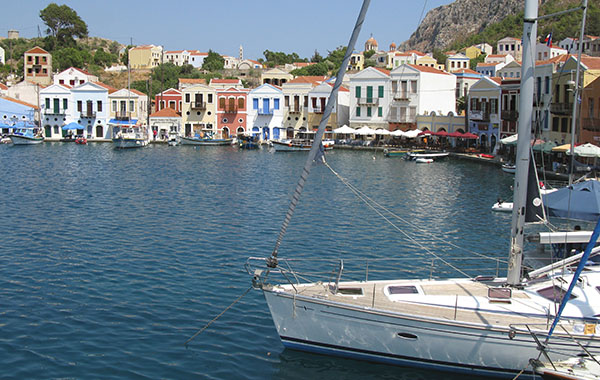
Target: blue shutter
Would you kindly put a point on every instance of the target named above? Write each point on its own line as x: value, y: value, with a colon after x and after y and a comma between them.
x: 255, y: 103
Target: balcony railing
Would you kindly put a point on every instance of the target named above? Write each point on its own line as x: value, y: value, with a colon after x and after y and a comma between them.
x: 479, y: 115
x: 401, y: 96
x: 295, y: 109
x: 198, y: 106
x: 230, y: 109
x: 561, y: 108
x: 122, y: 115
x: 88, y: 114
x: 318, y: 110
x: 52, y: 111
x: 509, y: 115
x: 265, y: 111
x: 591, y: 124
x: 368, y: 101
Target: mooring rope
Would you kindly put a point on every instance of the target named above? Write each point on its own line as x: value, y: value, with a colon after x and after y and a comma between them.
x: 217, y: 317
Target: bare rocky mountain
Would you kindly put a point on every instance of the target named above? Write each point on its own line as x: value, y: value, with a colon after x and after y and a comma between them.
x: 443, y: 24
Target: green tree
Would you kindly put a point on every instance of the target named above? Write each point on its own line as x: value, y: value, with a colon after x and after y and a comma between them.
x: 316, y: 58
x: 336, y: 57
x: 213, y: 62
x: 104, y: 59
x: 64, y: 58
x: 473, y: 62
x: 439, y: 56
x: 369, y: 54
x: 370, y: 63
x: 63, y: 23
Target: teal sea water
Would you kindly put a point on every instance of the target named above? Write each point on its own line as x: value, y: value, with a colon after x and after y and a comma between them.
x: 110, y: 260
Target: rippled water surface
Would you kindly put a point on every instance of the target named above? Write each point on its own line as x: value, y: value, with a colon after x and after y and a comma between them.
x: 111, y: 260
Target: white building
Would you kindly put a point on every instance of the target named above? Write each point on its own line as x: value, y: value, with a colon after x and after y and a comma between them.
x: 2, y: 56
x: 512, y: 46
x: 400, y: 58
x: 57, y: 109
x: 74, y: 77
x: 265, y: 112
x: 91, y: 110
x: 165, y: 121
x: 370, y: 91
x: 317, y: 100
x: 511, y: 70
x: 543, y: 52
x: 418, y: 90
x: 485, y: 48
x: 197, y: 59
x: 489, y: 69
x: 25, y: 91
x: 456, y: 62
x: 499, y: 58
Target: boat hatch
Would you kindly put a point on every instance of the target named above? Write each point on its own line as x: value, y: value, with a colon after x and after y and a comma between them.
x: 499, y: 295
x: 402, y: 289
x: 554, y: 293
x: 350, y: 291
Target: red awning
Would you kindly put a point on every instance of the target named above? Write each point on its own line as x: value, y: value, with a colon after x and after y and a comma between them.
x: 469, y: 135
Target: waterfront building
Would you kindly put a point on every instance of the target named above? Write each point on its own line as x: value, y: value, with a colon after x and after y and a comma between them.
x: 484, y: 111
x: 275, y: 76
x: 509, y: 103
x: 15, y: 110
x: 465, y: 78
x: 25, y: 91
x: 371, y: 44
x: 512, y: 46
x: 225, y: 83
x: 457, y: 61
x: 417, y: 90
x: 265, y: 112
x: 128, y: 106
x: 370, y: 91
x: 590, y: 114
x: 37, y: 66
x: 511, y: 70
x: 73, y: 77
x: 57, y: 109
x: 561, y: 107
x: 544, y: 52
x: 91, y: 110
x: 198, y: 110
x: 437, y: 123
x: 591, y: 45
x: 165, y: 121
x: 170, y: 98
x: 295, y: 95
x: 231, y: 111
x: 145, y: 56
x: 187, y: 82
x: 317, y: 99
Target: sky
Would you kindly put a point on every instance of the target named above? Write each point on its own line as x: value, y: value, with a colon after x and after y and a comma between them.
x: 300, y: 26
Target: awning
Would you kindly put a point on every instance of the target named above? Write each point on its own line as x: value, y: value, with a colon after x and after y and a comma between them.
x: 510, y: 140
x: 586, y: 150
x: 72, y: 125
x: 544, y: 146
x: 344, y: 130
x: 122, y: 122
x: 561, y: 148
x: 469, y: 135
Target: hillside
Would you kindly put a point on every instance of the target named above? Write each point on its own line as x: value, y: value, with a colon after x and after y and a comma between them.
x: 466, y: 22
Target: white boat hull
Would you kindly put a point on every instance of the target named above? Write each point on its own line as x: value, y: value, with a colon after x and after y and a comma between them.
x: 291, y: 146
x: 25, y: 140
x: 322, y: 326
x: 195, y: 141
x: 126, y: 143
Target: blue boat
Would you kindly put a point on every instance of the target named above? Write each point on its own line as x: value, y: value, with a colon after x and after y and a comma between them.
x: 26, y: 134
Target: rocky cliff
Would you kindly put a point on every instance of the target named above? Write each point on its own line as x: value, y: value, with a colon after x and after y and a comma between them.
x: 442, y: 25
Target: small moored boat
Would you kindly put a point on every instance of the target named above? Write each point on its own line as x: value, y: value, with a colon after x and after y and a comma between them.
x: 26, y: 135
x: 298, y: 145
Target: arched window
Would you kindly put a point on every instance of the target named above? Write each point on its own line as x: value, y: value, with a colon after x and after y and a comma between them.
x: 222, y: 103
x: 241, y: 103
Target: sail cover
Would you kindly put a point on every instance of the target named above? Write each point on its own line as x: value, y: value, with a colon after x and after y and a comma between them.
x: 581, y: 201
x: 534, y: 210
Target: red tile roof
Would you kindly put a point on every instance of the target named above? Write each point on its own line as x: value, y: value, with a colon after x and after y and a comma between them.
x: 3, y: 86
x: 80, y: 70
x: 166, y: 112
x: 109, y: 88
x: 496, y: 79
x: 386, y: 72
x: 417, y: 52
x: 36, y: 50
x: 224, y: 81
x: 466, y: 71
x: 19, y: 102
x: 309, y: 79
x: 137, y: 92
x: 192, y: 80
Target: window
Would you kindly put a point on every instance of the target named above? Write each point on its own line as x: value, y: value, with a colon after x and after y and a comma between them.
x: 547, y: 85
x: 79, y: 105
x: 358, y: 111
x: 405, y: 289
x: 131, y: 106
x: 255, y: 103
x: 357, y: 92
x: 99, y: 105
x: 369, y: 94
x: 65, y: 103
x: 306, y: 101
x: 187, y: 98
x: 555, y: 122
x: 286, y: 101
x: 368, y: 111
x: 275, y: 104
x: 379, y: 111
x: 210, y: 100
x: 172, y: 104
x: 221, y: 103
x: 380, y: 92
x: 47, y: 103
x: 241, y: 104
x: 413, y: 86
x: 494, y: 105
x: 564, y: 125
x: 554, y: 293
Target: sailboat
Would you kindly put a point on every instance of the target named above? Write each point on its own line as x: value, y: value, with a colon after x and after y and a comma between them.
x: 480, y: 325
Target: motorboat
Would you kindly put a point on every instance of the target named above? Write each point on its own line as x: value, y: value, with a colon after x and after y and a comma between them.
x: 509, y: 168
x: 297, y: 145
x: 26, y: 135
x: 422, y: 160
x: 130, y: 137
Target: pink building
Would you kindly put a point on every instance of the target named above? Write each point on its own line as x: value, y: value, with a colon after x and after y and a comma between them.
x: 231, y: 111
x: 170, y: 98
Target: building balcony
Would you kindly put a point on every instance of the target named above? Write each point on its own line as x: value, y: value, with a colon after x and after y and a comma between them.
x: 88, y: 114
x: 479, y: 115
x: 509, y: 115
x: 198, y: 106
x: 54, y: 112
x: 561, y: 108
x: 368, y: 101
x: 295, y: 110
x: 122, y: 115
x: 401, y: 97
x: 265, y: 111
x: 591, y: 124
x: 230, y: 109
x: 318, y: 110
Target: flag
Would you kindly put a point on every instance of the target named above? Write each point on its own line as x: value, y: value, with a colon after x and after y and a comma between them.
x: 548, y: 40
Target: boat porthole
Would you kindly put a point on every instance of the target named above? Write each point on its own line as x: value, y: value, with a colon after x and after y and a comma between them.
x: 408, y: 336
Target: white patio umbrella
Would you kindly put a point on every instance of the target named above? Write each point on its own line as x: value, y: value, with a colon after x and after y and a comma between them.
x: 382, y: 132
x: 397, y: 133
x: 365, y: 131
x: 344, y: 130
x: 586, y: 150
x: 510, y: 140
x: 412, y: 134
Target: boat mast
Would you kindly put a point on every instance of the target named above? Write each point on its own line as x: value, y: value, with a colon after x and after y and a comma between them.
x: 523, y: 142
x: 576, y: 92
x: 129, y: 86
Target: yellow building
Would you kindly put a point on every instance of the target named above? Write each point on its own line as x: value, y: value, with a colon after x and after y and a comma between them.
x: 145, y: 56
x: 198, y: 110
x: 472, y: 52
x: 357, y: 62
x: 429, y: 62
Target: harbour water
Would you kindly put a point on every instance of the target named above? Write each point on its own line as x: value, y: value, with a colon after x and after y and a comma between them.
x: 112, y: 259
